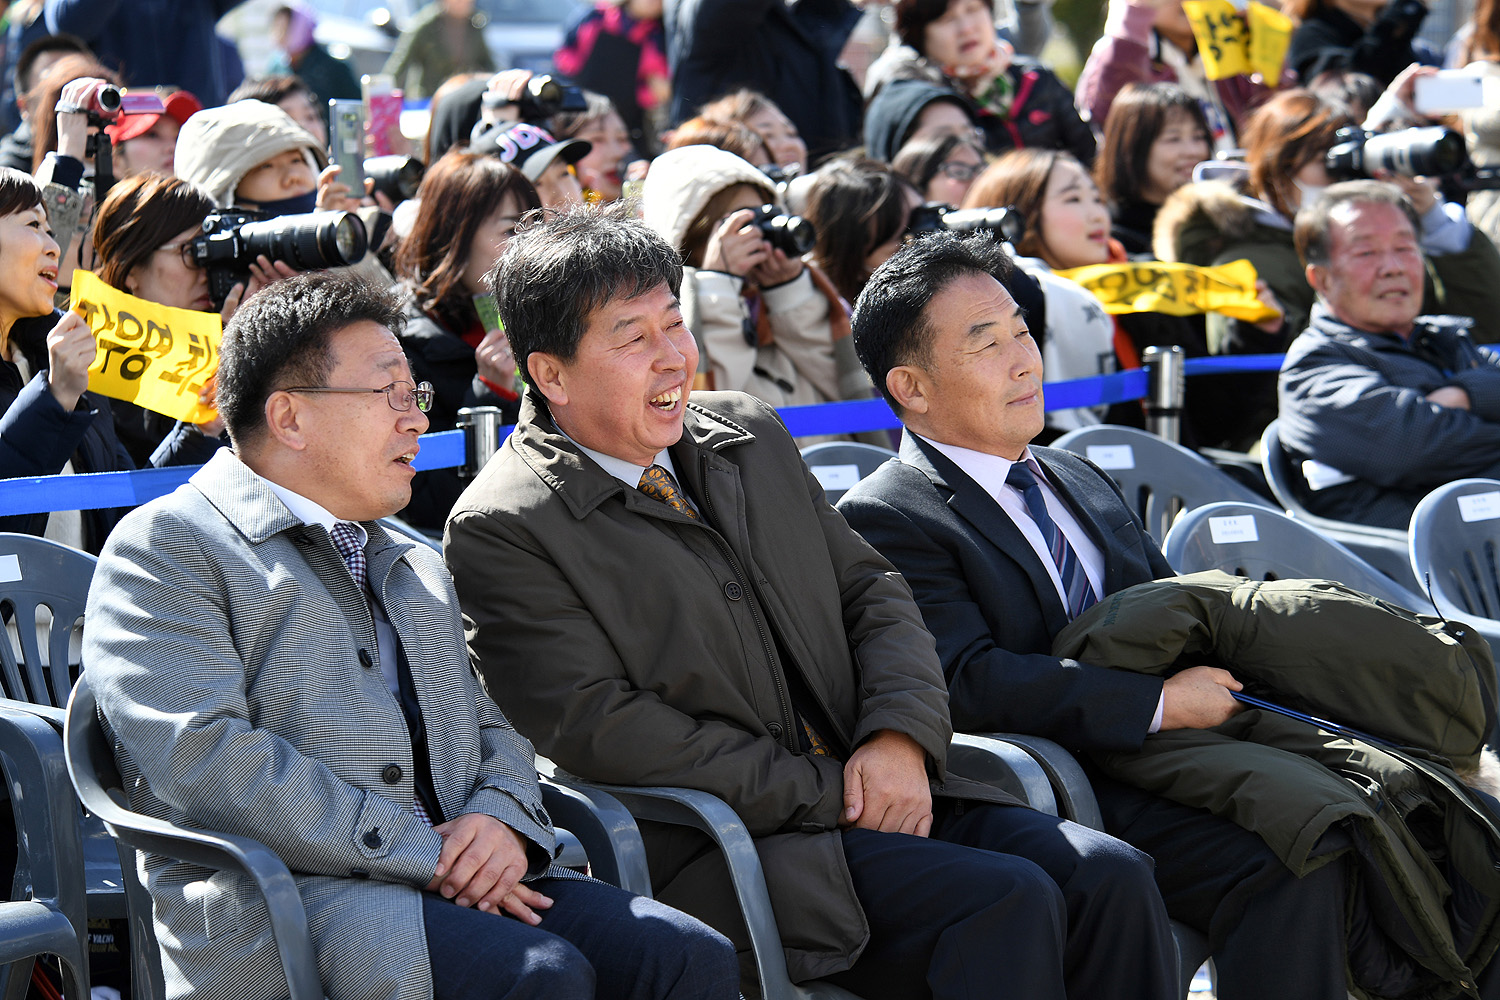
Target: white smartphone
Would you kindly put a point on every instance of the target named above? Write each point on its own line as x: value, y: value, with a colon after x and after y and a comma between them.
x: 1448, y: 90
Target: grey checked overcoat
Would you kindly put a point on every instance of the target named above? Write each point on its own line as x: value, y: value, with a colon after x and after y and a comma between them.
x: 231, y: 653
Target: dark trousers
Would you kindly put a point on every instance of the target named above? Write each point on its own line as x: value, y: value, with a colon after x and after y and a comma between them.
x: 1005, y: 902
x: 595, y: 941
x: 1272, y: 934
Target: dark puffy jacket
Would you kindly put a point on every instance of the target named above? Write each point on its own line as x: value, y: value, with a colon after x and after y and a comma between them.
x: 1426, y: 897
x: 787, y: 51
x: 1342, y: 389
x: 1329, y: 39
x: 445, y: 359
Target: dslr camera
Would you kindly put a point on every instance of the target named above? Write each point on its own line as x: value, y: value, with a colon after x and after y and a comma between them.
x: 934, y: 216
x: 231, y: 240
x: 1429, y: 151
x: 395, y: 176
x: 791, y: 234
x: 543, y: 97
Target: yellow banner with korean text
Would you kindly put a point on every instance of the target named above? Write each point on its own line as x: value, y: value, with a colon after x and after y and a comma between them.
x: 1239, y: 39
x: 1175, y: 289
x: 155, y: 356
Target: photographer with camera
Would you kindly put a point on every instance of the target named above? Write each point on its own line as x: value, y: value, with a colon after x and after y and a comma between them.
x: 1294, y: 149
x: 859, y: 208
x: 143, y: 242
x: 262, y: 170
x: 64, y: 154
x: 767, y: 322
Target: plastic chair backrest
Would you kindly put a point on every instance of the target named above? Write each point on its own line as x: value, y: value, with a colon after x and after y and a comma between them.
x: 1263, y: 544
x: 1455, y: 543
x: 96, y: 779
x: 1158, y: 478
x: 48, y: 911
x: 838, y: 465
x: 1285, y: 481
x: 43, y: 589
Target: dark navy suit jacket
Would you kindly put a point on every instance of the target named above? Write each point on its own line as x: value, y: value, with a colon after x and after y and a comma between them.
x: 990, y: 603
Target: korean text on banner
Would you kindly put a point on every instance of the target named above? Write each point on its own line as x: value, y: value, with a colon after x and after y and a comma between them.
x: 155, y: 356
x: 1175, y: 289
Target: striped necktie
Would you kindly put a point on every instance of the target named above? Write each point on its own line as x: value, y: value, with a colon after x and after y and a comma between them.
x: 1074, y: 581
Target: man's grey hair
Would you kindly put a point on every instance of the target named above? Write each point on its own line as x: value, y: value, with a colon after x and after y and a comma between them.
x: 1311, y: 232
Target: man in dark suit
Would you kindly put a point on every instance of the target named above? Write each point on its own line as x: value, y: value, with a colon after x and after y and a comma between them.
x: 1004, y: 543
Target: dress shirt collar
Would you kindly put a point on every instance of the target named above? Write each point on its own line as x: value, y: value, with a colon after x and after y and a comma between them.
x: 626, y: 472
x: 310, y: 511
x: 989, y: 471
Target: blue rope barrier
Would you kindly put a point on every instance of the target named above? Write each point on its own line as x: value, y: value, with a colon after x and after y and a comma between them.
x: 445, y: 449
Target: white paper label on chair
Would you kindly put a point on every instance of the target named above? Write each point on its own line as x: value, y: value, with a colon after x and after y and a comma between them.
x: 10, y: 569
x: 1239, y: 528
x: 836, y: 477
x: 1480, y: 506
x: 1112, y: 456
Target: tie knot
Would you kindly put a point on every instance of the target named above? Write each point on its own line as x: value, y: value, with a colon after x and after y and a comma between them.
x: 656, y: 483
x: 1020, y: 476
x: 346, y: 539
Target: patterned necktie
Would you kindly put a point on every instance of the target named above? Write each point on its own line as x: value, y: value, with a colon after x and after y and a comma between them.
x: 346, y: 540
x: 1074, y: 581
x: 657, y: 484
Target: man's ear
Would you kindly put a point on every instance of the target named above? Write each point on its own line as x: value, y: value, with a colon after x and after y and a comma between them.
x: 547, y: 375
x: 284, y: 420
x: 908, y: 386
x: 1317, y: 277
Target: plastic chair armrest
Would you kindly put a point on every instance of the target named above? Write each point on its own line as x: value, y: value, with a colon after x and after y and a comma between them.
x: 1075, y: 796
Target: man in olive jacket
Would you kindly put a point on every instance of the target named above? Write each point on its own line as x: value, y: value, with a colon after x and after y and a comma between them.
x: 661, y: 595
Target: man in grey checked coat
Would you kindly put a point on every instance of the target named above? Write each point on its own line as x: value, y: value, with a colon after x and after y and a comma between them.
x: 271, y: 663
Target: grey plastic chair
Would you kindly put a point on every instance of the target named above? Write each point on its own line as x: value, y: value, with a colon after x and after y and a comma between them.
x: 1455, y: 547
x: 39, y: 574
x: 1158, y: 478
x: 980, y: 757
x: 47, y: 912
x: 838, y: 465
x: 1383, y: 548
x: 1248, y: 540
x: 91, y: 765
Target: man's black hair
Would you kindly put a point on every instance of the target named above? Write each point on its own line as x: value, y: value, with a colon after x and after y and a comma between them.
x: 891, y: 327
x: 283, y: 335
x: 559, y: 268
x: 64, y: 43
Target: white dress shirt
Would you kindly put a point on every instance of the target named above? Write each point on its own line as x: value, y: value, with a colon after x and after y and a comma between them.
x: 989, y: 471
x: 312, y: 512
x: 629, y: 473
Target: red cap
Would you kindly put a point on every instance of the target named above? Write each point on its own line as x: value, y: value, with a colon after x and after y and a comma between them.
x: 181, y: 106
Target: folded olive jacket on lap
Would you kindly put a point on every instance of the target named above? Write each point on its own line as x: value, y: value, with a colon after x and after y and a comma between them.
x: 1425, y: 842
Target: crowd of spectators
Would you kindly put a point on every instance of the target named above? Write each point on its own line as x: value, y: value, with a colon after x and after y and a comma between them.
x: 735, y: 133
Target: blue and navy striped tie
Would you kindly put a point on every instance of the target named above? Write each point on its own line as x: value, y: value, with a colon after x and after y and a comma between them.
x: 1074, y: 580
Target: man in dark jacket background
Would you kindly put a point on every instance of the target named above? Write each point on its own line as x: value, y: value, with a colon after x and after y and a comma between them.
x: 786, y: 49
x: 662, y: 595
x: 1379, y: 404
x: 1004, y: 543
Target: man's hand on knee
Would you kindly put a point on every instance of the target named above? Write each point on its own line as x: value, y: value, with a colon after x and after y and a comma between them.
x: 1199, y: 698
x: 885, y: 786
x: 481, y: 865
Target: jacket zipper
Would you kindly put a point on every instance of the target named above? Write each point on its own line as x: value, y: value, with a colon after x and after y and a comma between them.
x: 788, y: 740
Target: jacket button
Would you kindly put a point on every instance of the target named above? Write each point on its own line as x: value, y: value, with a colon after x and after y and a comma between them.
x: 774, y: 728
x: 390, y: 774
x: 364, y: 659
x: 733, y: 591
x: 372, y: 838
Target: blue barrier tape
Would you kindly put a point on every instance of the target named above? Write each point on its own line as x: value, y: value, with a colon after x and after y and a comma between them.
x: 1234, y: 364
x: 445, y: 449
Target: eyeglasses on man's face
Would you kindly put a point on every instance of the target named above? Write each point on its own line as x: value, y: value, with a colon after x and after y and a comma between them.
x: 400, y: 395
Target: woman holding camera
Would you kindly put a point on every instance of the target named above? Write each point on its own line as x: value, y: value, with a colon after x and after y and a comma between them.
x: 859, y: 208
x: 767, y: 323
x: 468, y: 207
x: 51, y: 424
x: 143, y: 244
